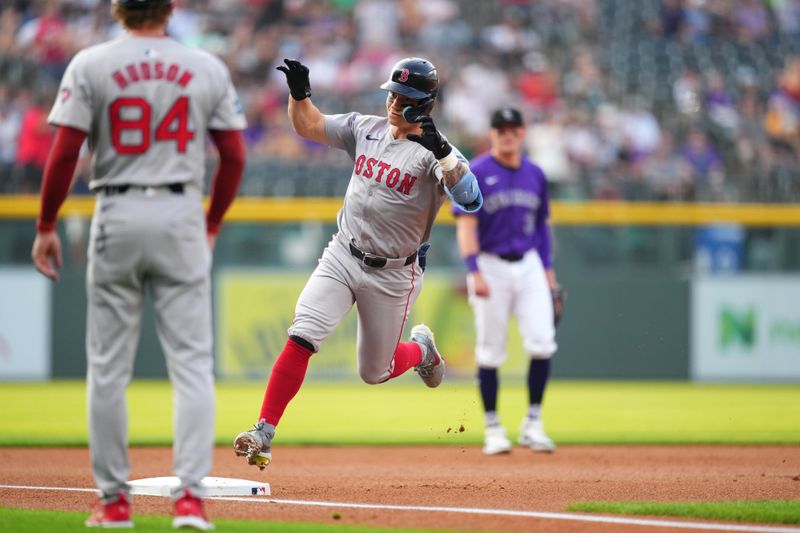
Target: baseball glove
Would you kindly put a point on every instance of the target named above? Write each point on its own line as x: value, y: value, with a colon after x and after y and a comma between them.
x: 559, y: 295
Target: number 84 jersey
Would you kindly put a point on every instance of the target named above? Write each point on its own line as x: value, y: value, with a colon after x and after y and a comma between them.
x: 147, y: 103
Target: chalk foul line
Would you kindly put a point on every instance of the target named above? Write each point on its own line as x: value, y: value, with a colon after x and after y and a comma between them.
x: 578, y: 517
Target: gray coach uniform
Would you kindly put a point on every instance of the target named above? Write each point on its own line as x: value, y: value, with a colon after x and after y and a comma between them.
x: 147, y: 104
x: 394, y: 195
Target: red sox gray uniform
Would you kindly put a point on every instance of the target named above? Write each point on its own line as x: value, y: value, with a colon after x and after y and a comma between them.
x: 392, y: 200
x: 147, y: 103
x: 403, y: 171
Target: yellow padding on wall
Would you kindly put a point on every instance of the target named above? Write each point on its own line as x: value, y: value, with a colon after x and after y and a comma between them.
x: 277, y: 210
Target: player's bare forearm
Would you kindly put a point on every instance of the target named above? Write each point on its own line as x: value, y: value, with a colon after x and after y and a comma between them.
x: 307, y: 121
x: 467, y: 235
x: 551, y: 278
x: 452, y: 176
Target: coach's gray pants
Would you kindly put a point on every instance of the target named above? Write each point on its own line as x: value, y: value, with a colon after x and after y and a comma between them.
x: 157, y: 243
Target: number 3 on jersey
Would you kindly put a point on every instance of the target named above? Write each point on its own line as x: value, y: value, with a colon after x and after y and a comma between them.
x: 173, y: 127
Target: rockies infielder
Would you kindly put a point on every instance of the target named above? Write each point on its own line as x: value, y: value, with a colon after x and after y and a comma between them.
x: 506, y: 247
x: 403, y: 171
x: 146, y: 104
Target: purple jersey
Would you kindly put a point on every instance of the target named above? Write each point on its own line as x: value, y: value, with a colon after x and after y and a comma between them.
x: 515, y: 209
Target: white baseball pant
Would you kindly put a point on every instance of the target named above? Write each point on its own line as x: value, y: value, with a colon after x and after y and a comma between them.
x: 515, y: 288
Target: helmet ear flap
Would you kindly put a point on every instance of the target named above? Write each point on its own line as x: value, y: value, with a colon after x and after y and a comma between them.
x: 428, y: 103
x: 413, y: 113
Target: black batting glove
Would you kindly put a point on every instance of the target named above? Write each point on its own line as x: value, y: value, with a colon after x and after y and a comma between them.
x: 431, y: 138
x: 412, y: 113
x: 296, y: 78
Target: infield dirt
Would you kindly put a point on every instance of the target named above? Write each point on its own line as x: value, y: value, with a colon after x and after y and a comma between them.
x: 449, y: 476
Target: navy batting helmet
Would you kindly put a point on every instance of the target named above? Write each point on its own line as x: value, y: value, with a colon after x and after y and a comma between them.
x: 141, y: 4
x: 415, y: 78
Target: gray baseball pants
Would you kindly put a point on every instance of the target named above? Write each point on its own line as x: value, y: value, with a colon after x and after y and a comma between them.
x: 156, y: 242
x: 384, y: 298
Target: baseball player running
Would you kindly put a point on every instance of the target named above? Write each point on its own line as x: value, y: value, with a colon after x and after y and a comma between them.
x: 145, y: 102
x: 404, y: 168
x: 506, y: 248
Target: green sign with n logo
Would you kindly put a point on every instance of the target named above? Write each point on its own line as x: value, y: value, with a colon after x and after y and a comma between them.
x: 736, y: 327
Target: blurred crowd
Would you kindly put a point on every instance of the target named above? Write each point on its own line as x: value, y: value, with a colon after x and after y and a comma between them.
x: 663, y: 100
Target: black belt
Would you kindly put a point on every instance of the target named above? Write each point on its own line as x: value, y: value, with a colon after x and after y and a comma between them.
x: 511, y: 257
x: 111, y: 190
x: 376, y: 261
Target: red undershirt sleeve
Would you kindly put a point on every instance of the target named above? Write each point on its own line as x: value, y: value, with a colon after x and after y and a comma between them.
x: 226, y: 177
x: 58, y: 172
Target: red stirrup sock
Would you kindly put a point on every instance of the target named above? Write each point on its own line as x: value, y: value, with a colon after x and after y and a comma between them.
x: 406, y: 355
x: 287, y: 376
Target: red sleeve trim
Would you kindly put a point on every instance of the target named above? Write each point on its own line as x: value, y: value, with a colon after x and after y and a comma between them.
x: 226, y: 177
x: 58, y: 172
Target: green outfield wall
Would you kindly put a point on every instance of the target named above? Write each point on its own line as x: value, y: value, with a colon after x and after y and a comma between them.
x: 628, y: 270
x: 617, y: 326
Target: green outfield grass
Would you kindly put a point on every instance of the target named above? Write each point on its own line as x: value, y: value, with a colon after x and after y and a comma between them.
x: 758, y: 511
x: 576, y: 412
x: 30, y: 521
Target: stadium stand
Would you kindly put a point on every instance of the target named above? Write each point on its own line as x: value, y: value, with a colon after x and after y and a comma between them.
x: 664, y: 100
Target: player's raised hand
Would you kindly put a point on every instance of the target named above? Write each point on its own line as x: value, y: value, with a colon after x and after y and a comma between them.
x: 296, y: 78
x: 46, y: 254
x: 479, y: 285
x: 431, y: 138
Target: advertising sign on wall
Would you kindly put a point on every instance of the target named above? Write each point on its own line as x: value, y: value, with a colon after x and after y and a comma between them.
x: 254, y: 312
x: 24, y: 324
x: 746, y: 328
x: 255, y: 309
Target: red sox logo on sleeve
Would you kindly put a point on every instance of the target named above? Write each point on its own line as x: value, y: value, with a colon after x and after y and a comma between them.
x: 403, y: 76
x: 371, y: 167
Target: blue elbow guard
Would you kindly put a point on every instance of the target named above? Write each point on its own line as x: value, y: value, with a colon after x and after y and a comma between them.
x: 466, y: 193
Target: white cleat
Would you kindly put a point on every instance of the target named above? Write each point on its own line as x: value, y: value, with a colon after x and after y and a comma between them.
x: 533, y: 436
x: 431, y: 369
x: 256, y: 444
x: 495, y: 441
